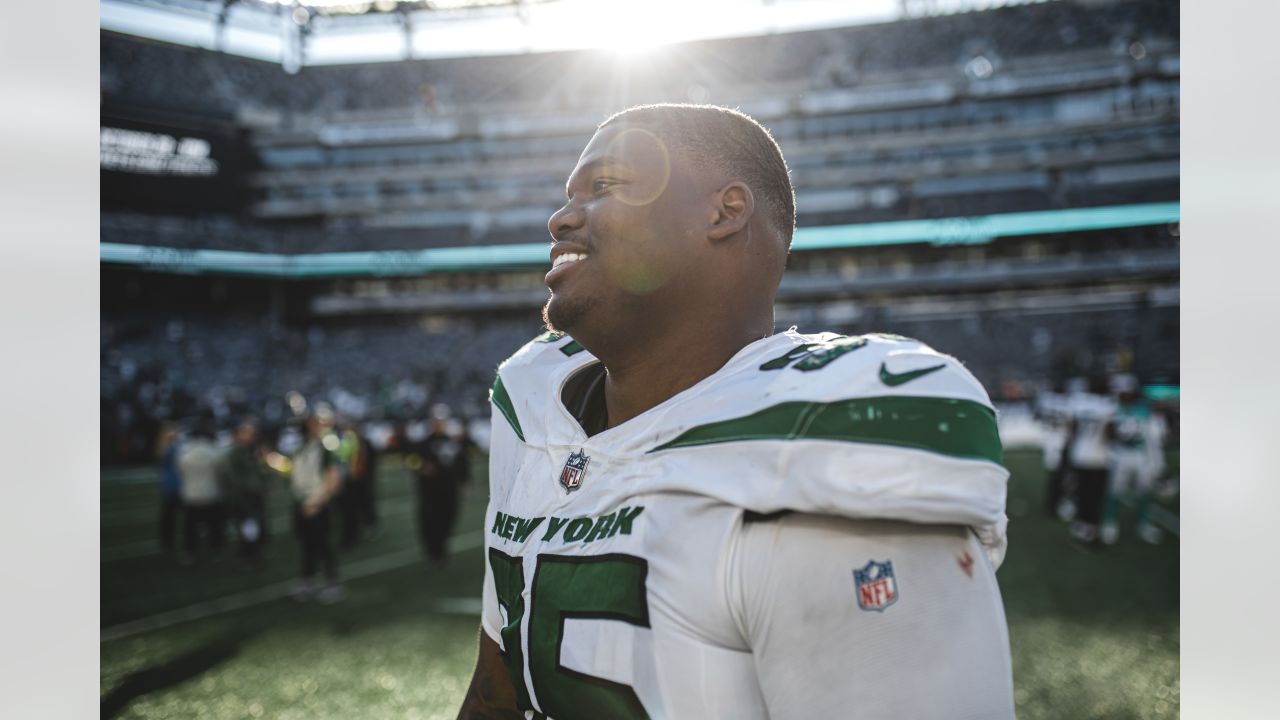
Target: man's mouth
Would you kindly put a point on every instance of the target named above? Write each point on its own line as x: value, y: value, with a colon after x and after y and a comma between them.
x: 567, y: 258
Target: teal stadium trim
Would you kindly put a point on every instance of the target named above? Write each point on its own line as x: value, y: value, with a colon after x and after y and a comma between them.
x: 944, y: 231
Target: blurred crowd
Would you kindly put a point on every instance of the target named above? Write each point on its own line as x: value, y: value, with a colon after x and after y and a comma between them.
x: 215, y: 493
x: 1105, y: 446
x: 383, y: 375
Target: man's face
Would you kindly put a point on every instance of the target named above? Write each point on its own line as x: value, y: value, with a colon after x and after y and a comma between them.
x: 627, y: 235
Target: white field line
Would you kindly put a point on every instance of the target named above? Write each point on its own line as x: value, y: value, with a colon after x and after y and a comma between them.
x: 128, y: 516
x: 458, y: 605
x: 1159, y: 516
x: 143, y: 548
x: 1164, y: 518
x: 145, y: 475
x: 270, y: 593
x: 135, y: 476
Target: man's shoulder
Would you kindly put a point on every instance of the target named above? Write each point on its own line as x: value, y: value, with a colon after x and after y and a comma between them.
x: 535, y: 364
x: 544, y: 351
x: 918, y: 426
x: 525, y: 382
x: 829, y: 366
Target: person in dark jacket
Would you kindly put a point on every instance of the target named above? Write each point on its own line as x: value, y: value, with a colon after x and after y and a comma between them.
x: 440, y: 465
x: 356, y: 501
x: 245, y: 478
x: 364, y: 481
x: 167, y: 448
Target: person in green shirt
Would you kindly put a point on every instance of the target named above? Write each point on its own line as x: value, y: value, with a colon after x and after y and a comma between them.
x: 314, y: 482
x: 245, y: 478
x: 348, y: 498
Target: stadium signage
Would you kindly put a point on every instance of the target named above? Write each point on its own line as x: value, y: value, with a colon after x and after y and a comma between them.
x: 151, y: 153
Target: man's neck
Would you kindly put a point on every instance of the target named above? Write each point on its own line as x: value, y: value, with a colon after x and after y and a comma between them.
x: 644, y: 375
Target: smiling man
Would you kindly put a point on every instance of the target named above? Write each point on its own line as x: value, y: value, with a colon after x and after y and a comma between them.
x: 691, y: 516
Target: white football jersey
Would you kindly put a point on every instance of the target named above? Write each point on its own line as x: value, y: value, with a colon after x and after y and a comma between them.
x: 619, y: 566
x: 1089, y: 447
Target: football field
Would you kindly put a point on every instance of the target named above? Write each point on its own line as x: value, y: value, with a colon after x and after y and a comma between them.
x: 1094, y: 633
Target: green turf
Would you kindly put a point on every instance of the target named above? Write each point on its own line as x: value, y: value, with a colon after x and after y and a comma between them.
x: 1094, y: 634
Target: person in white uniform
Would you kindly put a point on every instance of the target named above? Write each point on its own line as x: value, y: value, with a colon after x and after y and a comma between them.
x: 1137, y: 457
x: 691, y: 516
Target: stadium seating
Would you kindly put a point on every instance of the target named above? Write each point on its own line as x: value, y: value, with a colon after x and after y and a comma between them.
x: 1039, y: 106
x: 878, y: 122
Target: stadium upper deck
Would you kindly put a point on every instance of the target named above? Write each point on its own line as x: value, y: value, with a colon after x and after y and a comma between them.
x: 147, y: 72
x: 1042, y: 110
x: 1031, y: 107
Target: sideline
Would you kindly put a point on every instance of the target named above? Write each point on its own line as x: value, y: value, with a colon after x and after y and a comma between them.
x: 1159, y: 516
x: 276, y: 591
x: 118, y: 518
x: 136, y: 475
x: 143, y: 548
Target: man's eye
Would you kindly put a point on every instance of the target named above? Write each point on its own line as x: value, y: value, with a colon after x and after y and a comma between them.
x: 602, y: 184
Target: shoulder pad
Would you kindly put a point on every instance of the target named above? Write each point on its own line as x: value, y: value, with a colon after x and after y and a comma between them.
x: 828, y: 367
x: 526, y: 382
x: 539, y: 351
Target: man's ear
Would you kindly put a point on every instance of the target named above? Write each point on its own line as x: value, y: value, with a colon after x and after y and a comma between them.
x: 733, y: 204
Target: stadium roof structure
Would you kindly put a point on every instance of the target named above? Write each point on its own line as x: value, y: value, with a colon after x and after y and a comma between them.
x: 360, y: 7
x: 297, y: 33
x: 943, y: 231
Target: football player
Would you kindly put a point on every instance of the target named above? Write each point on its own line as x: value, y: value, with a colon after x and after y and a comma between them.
x: 1137, y: 457
x: 691, y: 516
x: 1088, y: 455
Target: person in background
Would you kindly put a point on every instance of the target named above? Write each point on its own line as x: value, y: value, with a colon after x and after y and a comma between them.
x: 460, y: 468
x: 424, y: 469
x: 167, y: 448
x: 1133, y: 433
x: 1051, y: 410
x: 364, y: 480
x: 315, y: 482
x: 348, y: 500
x: 198, y: 464
x: 450, y: 445
x: 263, y: 449
x: 245, y: 479
x: 430, y: 456
x: 1089, y: 457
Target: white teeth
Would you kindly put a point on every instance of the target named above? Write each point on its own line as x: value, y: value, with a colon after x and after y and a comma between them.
x: 567, y: 258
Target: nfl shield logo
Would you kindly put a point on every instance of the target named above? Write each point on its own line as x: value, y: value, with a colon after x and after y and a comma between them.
x: 574, y: 471
x: 875, y: 586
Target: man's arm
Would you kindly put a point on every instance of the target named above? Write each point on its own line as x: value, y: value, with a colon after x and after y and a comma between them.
x: 871, y: 618
x: 491, y: 695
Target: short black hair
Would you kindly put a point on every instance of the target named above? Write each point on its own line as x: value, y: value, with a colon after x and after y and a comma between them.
x: 730, y: 140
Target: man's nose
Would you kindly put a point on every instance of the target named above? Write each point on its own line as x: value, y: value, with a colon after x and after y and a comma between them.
x: 565, y: 220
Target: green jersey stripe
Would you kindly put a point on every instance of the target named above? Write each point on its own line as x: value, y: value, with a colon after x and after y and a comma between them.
x: 502, y: 401
x: 958, y: 428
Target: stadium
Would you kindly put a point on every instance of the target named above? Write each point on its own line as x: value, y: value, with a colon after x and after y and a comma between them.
x: 345, y: 206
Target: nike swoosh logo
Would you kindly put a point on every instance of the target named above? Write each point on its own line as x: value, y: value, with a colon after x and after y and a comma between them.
x: 892, y: 379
